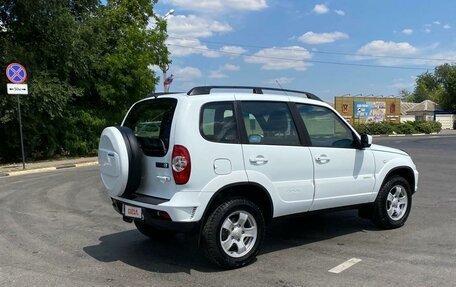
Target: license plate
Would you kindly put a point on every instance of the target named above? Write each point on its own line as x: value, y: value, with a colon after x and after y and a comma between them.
x: 133, y: 211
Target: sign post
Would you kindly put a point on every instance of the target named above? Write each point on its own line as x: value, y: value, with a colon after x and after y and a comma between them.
x: 17, y: 75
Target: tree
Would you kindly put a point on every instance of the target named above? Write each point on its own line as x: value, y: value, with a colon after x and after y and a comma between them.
x: 406, y: 95
x: 446, y: 77
x: 439, y: 87
x: 87, y: 63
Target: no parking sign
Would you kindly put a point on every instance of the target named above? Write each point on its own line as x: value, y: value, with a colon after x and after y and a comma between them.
x: 16, y: 73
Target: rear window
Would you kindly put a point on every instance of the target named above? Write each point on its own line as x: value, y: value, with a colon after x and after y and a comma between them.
x: 151, y: 122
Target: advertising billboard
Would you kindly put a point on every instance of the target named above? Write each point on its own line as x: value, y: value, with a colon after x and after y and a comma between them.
x: 369, y: 112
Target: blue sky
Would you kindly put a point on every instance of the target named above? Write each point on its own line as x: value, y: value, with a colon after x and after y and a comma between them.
x: 259, y: 42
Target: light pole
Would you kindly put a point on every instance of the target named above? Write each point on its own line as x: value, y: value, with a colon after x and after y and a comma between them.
x: 165, y: 67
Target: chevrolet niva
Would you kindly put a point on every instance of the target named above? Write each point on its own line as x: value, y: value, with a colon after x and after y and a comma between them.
x: 223, y: 162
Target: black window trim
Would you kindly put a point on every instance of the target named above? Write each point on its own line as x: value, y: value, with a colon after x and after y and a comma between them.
x: 243, y: 131
x: 356, y: 140
x: 233, y: 103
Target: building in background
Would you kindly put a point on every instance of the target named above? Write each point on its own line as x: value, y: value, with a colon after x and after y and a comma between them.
x: 427, y: 111
x: 360, y: 110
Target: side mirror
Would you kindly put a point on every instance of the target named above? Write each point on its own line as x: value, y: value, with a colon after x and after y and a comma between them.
x: 366, y: 141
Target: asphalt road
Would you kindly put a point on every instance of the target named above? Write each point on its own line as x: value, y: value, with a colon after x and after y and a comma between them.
x: 58, y: 229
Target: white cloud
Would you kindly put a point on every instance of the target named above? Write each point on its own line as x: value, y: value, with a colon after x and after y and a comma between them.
x: 281, y: 58
x: 219, y: 5
x: 230, y: 67
x: 281, y: 80
x: 382, y: 48
x: 210, y: 53
x: 427, y: 30
x: 399, y: 85
x: 217, y: 75
x: 436, y: 22
x: 322, y: 38
x: 446, y: 26
x: 339, y: 12
x: 192, y: 26
x: 320, y: 9
x: 407, y: 31
x: 233, y: 50
x: 440, y: 58
x: 185, y: 73
x: 184, y: 47
x: 411, y: 56
x: 184, y: 33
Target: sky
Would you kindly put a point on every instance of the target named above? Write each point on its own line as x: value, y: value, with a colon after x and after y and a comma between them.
x: 328, y: 48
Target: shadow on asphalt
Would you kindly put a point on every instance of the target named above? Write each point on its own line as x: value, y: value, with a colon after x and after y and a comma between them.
x: 181, y: 253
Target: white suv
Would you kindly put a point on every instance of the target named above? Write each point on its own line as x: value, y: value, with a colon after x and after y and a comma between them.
x: 224, y: 164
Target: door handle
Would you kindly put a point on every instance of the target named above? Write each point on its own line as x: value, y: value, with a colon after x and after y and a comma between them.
x: 257, y: 160
x: 322, y: 159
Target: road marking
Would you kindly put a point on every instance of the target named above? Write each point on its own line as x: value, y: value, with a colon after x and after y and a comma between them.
x: 347, y: 264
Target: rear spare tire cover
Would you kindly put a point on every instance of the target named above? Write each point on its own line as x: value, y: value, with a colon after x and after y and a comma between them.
x: 119, y: 158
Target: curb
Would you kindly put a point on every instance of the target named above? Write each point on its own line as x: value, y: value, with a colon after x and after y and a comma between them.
x: 405, y: 135
x: 44, y: 169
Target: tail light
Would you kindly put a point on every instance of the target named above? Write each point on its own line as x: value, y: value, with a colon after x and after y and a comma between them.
x: 181, y: 164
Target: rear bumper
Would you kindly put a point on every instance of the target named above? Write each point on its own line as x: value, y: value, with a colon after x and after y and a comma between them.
x: 183, y: 206
x: 152, y: 217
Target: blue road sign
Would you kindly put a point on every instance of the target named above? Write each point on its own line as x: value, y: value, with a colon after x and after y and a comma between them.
x: 16, y: 73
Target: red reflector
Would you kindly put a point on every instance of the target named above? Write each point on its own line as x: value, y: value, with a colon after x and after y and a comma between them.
x: 181, y: 164
x: 163, y: 215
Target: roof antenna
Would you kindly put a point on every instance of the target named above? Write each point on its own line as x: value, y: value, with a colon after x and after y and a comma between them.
x: 280, y: 86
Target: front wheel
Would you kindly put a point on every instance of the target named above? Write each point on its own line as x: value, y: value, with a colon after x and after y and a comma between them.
x: 233, y: 233
x: 393, y: 203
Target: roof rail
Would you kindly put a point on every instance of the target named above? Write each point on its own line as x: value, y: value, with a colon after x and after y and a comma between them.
x: 205, y: 90
x: 155, y: 95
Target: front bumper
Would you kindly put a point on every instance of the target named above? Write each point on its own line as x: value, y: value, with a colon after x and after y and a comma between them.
x: 152, y: 217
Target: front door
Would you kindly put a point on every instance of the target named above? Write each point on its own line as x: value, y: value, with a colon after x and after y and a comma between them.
x: 344, y: 174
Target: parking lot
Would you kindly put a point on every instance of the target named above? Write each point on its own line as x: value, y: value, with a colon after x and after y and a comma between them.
x: 59, y: 229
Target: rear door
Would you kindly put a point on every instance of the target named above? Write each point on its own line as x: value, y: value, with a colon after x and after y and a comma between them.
x: 274, y: 156
x: 152, y: 121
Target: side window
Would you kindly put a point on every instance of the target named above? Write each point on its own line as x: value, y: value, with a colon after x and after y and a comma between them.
x: 325, y: 128
x: 269, y: 123
x: 217, y: 122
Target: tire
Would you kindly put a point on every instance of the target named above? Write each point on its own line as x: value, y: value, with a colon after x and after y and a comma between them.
x: 247, y: 225
x: 134, y: 160
x: 393, y: 203
x: 152, y: 232
x: 120, y: 160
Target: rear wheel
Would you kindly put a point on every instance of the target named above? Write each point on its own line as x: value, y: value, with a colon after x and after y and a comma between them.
x: 233, y: 233
x: 393, y: 203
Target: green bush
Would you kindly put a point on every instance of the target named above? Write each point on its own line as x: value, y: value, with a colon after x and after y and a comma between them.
x: 404, y: 128
x: 386, y: 128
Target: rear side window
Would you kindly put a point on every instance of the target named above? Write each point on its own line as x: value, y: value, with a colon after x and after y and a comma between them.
x: 151, y: 122
x: 269, y: 123
x: 218, y: 123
